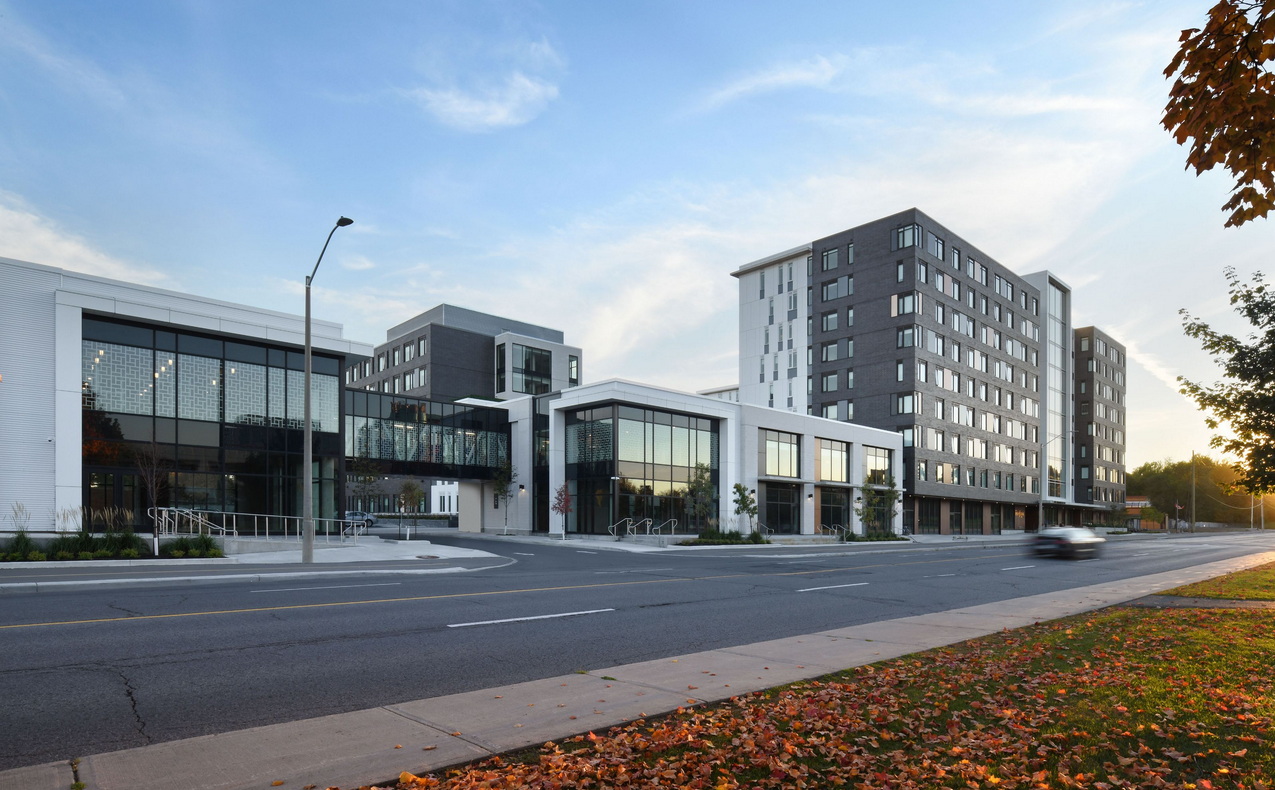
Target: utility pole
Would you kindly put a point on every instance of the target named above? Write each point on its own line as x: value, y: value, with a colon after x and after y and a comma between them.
x: 1193, y: 492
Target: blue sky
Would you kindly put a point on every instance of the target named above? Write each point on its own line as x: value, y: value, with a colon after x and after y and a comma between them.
x: 602, y: 167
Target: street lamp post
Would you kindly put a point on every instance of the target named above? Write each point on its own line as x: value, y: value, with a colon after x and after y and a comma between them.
x: 307, y: 458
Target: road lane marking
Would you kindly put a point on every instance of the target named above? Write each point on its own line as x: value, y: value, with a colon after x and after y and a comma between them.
x: 1018, y: 567
x: 938, y: 576
x: 634, y: 570
x: 834, y: 587
x: 333, y: 587
x: 479, y: 594
x: 523, y: 554
x: 524, y: 619
x: 585, y: 552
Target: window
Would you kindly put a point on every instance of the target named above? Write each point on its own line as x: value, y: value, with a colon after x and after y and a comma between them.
x: 934, y: 246
x: 849, y: 317
x: 903, y: 304
x: 533, y: 370
x: 761, y: 290
x: 573, y: 371
x: 906, y: 402
x: 906, y: 337
x: 829, y: 382
x: 830, y: 411
x: 876, y: 464
x: 421, y: 345
x: 398, y: 355
x: 828, y: 321
x: 500, y: 368
x: 836, y: 289
x: 780, y: 453
x: 849, y: 379
x: 829, y: 260
x: 828, y: 351
x: 907, y: 236
x: 832, y: 461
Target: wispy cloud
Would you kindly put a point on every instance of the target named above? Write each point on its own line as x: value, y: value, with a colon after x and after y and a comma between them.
x: 515, y: 102
x: 358, y: 264
x: 816, y: 72
x: 510, y: 86
x: 27, y: 236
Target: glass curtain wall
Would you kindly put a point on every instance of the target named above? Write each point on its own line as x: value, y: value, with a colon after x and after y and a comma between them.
x: 628, y: 462
x: 214, y: 424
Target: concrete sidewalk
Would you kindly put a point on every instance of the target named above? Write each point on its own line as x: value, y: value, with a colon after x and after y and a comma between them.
x: 375, y: 745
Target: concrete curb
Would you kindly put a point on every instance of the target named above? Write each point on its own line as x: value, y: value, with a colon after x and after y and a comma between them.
x: 375, y: 745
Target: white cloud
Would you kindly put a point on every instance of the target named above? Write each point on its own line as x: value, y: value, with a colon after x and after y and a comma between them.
x: 358, y: 263
x: 517, y: 101
x: 816, y: 72
x: 27, y: 236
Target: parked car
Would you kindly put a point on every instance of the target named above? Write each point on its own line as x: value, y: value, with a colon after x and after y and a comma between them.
x: 1068, y: 542
x: 358, y: 515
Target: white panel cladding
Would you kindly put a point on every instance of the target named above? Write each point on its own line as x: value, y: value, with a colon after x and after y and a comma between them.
x: 27, y: 420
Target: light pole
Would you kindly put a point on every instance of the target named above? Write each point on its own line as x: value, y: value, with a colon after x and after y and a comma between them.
x: 307, y: 457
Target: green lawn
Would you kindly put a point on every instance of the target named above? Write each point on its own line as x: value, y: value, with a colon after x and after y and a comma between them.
x: 1257, y: 584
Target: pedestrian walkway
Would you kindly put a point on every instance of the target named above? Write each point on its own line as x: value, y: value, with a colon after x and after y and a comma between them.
x: 375, y: 745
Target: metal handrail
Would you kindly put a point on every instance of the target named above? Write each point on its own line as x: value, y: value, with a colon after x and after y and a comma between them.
x: 173, y: 521
x: 635, y: 527
x: 671, y: 524
x: 613, y: 530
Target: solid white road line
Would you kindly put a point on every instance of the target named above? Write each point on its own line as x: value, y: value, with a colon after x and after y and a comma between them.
x: 335, y: 587
x: 585, y: 552
x: 833, y: 587
x: 1018, y: 567
x: 522, y: 619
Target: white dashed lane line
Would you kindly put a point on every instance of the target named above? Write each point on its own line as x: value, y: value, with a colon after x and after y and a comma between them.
x: 524, y: 619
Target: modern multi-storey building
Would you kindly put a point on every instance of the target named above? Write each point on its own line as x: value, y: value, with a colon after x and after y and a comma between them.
x: 904, y: 325
x: 449, y: 353
x: 1100, y: 419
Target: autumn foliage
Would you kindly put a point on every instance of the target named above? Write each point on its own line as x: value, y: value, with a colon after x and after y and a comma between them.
x: 1223, y: 101
x: 1124, y: 698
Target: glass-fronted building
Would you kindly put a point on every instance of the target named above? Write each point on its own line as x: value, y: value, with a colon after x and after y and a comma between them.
x: 116, y: 395
x: 223, y: 418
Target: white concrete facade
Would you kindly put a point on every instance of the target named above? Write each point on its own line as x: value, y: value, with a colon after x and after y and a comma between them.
x: 739, y: 450
x: 41, y: 314
x: 772, y: 334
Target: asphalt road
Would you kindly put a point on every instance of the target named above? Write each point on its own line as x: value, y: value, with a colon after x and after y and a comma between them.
x: 90, y: 671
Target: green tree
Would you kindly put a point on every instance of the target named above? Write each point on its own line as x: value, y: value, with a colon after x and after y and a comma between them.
x: 1150, y: 515
x: 1168, y: 484
x: 745, y: 504
x: 1245, y: 398
x: 502, y: 486
x: 701, y: 496
x: 364, y: 473
x: 410, y: 496
x: 563, y: 504
x: 877, y: 505
x: 1223, y: 101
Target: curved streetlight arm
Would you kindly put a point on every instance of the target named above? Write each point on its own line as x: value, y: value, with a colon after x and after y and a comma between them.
x: 340, y: 223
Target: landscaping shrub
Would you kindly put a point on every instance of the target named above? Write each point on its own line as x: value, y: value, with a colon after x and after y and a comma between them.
x: 713, y: 537
x: 20, y: 545
x: 35, y: 556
